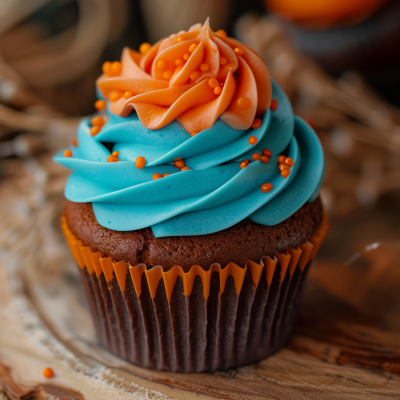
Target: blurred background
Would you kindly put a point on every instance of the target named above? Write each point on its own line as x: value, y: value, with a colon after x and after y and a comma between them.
x: 338, y: 61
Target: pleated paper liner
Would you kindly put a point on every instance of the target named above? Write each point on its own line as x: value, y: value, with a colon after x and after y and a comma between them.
x: 199, y: 320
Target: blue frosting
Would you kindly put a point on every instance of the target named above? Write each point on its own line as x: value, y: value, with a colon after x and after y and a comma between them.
x: 214, y: 194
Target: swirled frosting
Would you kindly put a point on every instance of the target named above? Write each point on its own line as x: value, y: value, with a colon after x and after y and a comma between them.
x: 217, y: 190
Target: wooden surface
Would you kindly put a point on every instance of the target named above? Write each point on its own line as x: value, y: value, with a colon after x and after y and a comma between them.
x: 346, y: 343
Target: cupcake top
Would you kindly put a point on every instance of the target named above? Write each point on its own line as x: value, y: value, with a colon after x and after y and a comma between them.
x: 192, y: 137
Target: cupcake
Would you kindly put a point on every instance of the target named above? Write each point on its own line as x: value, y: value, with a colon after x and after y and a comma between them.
x: 356, y: 34
x: 193, y: 210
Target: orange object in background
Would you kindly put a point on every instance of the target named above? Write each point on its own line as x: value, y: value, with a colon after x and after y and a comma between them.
x: 324, y: 12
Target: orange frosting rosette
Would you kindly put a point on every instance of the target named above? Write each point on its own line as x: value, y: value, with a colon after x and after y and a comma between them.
x: 194, y: 77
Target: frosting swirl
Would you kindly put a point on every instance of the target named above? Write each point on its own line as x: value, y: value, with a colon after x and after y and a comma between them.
x: 194, y: 77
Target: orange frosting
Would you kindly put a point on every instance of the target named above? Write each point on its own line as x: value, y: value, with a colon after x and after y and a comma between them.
x: 194, y: 77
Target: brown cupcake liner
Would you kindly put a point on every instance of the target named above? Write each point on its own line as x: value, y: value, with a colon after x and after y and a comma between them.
x: 198, y: 320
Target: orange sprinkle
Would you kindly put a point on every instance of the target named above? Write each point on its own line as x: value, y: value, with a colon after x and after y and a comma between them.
x: 128, y: 95
x: 115, y: 153
x: 243, y: 102
x: 213, y: 83
x: 48, y: 372
x: 192, y: 48
x: 116, y: 95
x: 285, y: 172
x: 74, y: 143
x: 167, y: 75
x: 144, y: 48
x: 256, y: 156
x: 274, y: 105
x: 100, y: 105
x: 98, y: 121
x: 204, y: 67
x: 266, y: 153
x: 195, y: 75
x: 162, y: 64
x: 256, y: 123
x: 186, y: 56
x: 68, y: 153
x: 116, y: 68
x: 179, y: 163
x: 267, y: 187
x: 157, y: 176
x: 281, y: 159
x: 106, y: 67
x: 243, y: 164
x: 193, y: 133
x: 222, y: 61
x: 264, y: 159
x: 218, y: 90
x: 179, y: 62
x: 140, y: 162
x: 112, y: 159
x: 180, y: 39
x: 239, y: 51
x: 185, y: 169
x: 282, y: 167
x: 221, y: 32
x: 94, y: 130
x: 252, y: 140
x: 166, y: 175
x: 289, y: 162
x: 311, y: 123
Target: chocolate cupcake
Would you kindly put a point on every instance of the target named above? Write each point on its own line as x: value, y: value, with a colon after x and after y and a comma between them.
x: 193, y: 208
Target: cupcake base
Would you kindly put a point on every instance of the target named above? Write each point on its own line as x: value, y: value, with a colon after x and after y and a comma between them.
x: 197, y: 320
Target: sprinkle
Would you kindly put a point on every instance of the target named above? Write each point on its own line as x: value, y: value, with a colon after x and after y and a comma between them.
x: 157, y: 176
x: 204, y: 67
x: 311, y: 123
x: 186, y: 56
x: 221, y: 32
x: 218, y: 90
x: 74, y: 143
x: 128, y: 94
x: 180, y: 39
x: 247, y: 161
x: 264, y: 159
x: 274, y: 105
x: 193, y: 133
x: 213, y: 83
x: 100, y: 105
x: 106, y: 67
x: 144, y: 48
x: 68, y: 153
x: 179, y: 163
x: 266, y: 153
x: 116, y: 95
x: 48, y: 372
x: 116, y: 68
x: 256, y: 156
x: 256, y: 123
x: 162, y: 64
x: 167, y: 75
x: 179, y: 62
x: 267, y: 187
x: 94, y: 130
x: 222, y: 61
x: 281, y: 159
x: 243, y: 164
x: 238, y: 51
x: 252, y: 140
x: 115, y: 153
x: 140, y: 162
x: 289, y: 162
x: 285, y: 172
x: 282, y: 167
x: 98, y: 121
x: 112, y: 158
x: 243, y: 102
x: 185, y: 169
x: 192, y: 48
x: 195, y: 75
x: 166, y: 175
